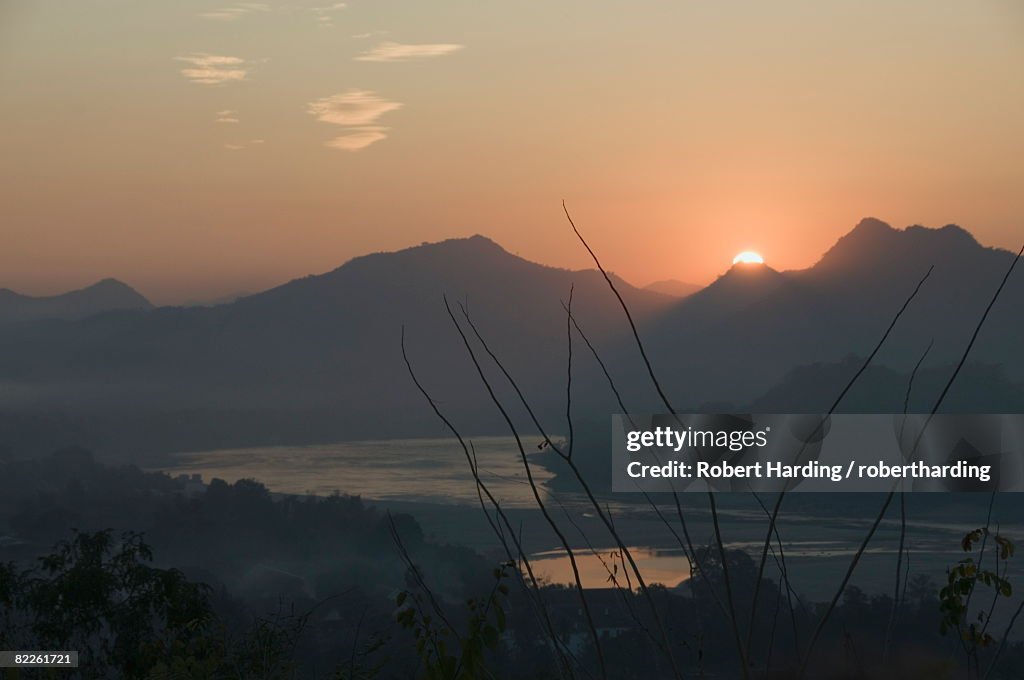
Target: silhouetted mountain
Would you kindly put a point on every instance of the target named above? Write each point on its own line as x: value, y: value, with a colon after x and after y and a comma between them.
x: 673, y: 287
x: 317, y: 358
x: 740, y: 336
x: 105, y: 296
x: 741, y: 286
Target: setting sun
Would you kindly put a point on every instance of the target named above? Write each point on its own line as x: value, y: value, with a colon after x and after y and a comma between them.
x: 748, y: 257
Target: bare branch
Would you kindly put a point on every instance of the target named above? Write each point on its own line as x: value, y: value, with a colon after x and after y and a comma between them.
x: 482, y: 489
x: 536, y: 493
x: 584, y: 485
x: 835, y: 404
x: 414, y: 570
x: 664, y: 399
x: 903, y: 516
x: 625, y: 309
x: 568, y: 371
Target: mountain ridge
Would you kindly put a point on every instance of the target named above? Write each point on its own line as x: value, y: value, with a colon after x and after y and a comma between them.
x: 842, y: 304
x: 106, y: 295
x: 318, y: 358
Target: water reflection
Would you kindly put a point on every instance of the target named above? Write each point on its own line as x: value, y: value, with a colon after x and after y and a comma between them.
x: 666, y: 566
x: 425, y: 470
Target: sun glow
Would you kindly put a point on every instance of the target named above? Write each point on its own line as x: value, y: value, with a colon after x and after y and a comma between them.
x: 748, y: 257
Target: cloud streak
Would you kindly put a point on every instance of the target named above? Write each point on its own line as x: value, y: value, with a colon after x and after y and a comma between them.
x: 243, y: 145
x: 392, y: 51
x: 329, y: 8
x: 236, y: 11
x: 357, y: 110
x: 213, y: 69
x: 227, y: 116
x: 359, y: 138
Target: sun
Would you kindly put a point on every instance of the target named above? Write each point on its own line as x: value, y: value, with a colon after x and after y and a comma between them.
x: 748, y: 257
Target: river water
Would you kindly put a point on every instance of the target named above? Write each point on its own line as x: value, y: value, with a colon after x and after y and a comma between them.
x: 820, y: 532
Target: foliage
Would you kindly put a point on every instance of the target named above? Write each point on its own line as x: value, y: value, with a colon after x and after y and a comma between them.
x: 466, y: 659
x: 97, y: 594
x: 962, y: 581
x: 266, y: 650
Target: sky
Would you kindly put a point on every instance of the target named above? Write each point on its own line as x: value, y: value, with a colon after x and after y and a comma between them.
x: 200, y: 149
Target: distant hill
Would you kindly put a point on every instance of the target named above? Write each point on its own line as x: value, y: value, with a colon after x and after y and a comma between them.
x: 673, y: 287
x: 105, y: 296
x: 312, y: 360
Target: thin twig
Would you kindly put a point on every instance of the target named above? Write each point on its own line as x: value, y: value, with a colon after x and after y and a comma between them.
x: 1006, y: 636
x: 420, y: 581
x: 903, y: 513
x: 568, y: 372
x: 625, y: 309
x: 784, y: 572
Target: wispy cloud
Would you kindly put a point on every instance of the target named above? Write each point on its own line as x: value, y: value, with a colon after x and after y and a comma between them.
x: 327, y: 9
x: 359, y: 138
x: 357, y: 110
x: 326, y: 12
x: 213, y: 69
x: 235, y: 11
x: 238, y: 146
x: 355, y: 107
x: 392, y: 51
x: 227, y: 116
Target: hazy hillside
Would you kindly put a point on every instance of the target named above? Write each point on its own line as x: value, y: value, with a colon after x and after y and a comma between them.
x: 104, y: 296
x: 317, y: 358
x: 978, y: 389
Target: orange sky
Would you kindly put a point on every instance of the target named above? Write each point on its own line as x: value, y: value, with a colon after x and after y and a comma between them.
x: 198, y: 149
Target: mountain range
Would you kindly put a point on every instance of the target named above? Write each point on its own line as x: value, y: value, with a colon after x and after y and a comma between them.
x: 315, y: 359
x: 753, y: 324
x: 104, y: 296
x: 319, y: 358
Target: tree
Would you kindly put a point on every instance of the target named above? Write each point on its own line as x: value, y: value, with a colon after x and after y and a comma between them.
x: 97, y: 594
